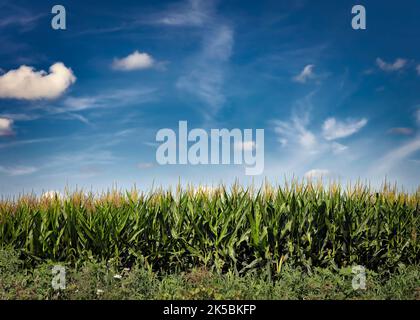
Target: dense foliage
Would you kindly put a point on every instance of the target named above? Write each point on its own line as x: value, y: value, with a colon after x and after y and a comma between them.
x: 237, y: 230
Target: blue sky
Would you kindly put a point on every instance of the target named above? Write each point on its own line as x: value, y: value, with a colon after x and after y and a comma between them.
x: 333, y: 101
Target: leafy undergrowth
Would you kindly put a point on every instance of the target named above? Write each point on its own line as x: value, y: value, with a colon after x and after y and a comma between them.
x: 94, y: 280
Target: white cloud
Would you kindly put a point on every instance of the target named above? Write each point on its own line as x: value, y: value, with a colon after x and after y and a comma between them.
x: 6, y: 127
x: 206, y: 75
x: 26, y: 83
x: 418, y: 69
x: 80, y: 103
x: 395, y: 156
x: 390, y: 67
x: 17, y: 170
x: 204, y: 72
x: 398, y: 154
x: 19, y: 116
x: 338, y: 148
x: 307, y: 139
x: 306, y: 74
x: 317, y: 174
x: 134, y: 61
x: 296, y: 131
x: 110, y: 99
x: 333, y: 129
x: 193, y: 13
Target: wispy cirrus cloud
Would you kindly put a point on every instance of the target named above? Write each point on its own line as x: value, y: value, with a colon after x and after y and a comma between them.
x: 397, y: 65
x: 73, y: 106
x: 206, y: 75
x: 191, y: 13
x: 303, y: 140
x: 18, y: 170
x: 15, y: 16
x: 19, y: 116
x: 401, y: 131
x: 306, y: 74
x: 18, y: 143
x: 295, y: 131
x: 205, y: 72
x: 25, y: 21
x: 400, y: 153
x: 333, y: 129
x: 395, y: 156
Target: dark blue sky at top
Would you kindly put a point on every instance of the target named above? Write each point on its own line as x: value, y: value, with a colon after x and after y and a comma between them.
x: 217, y: 64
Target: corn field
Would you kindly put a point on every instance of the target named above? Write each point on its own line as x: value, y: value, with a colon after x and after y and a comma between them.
x: 236, y: 229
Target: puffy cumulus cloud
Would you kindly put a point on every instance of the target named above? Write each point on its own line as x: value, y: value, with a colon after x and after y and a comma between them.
x: 390, y: 67
x: 318, y: 174
x: 6, y: 127
x: 134, y: 61
x: 26, y: 83
x: 306, y: 74
x: 333, y: 129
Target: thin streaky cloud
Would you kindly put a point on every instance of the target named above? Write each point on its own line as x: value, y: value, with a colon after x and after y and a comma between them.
x: 395, y: 156
x: 397, y: 65
x: 17, y: 143
x: 401, y: 131
x: 191, y: 13
x: 18, y: 170
x: 206, y: 75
